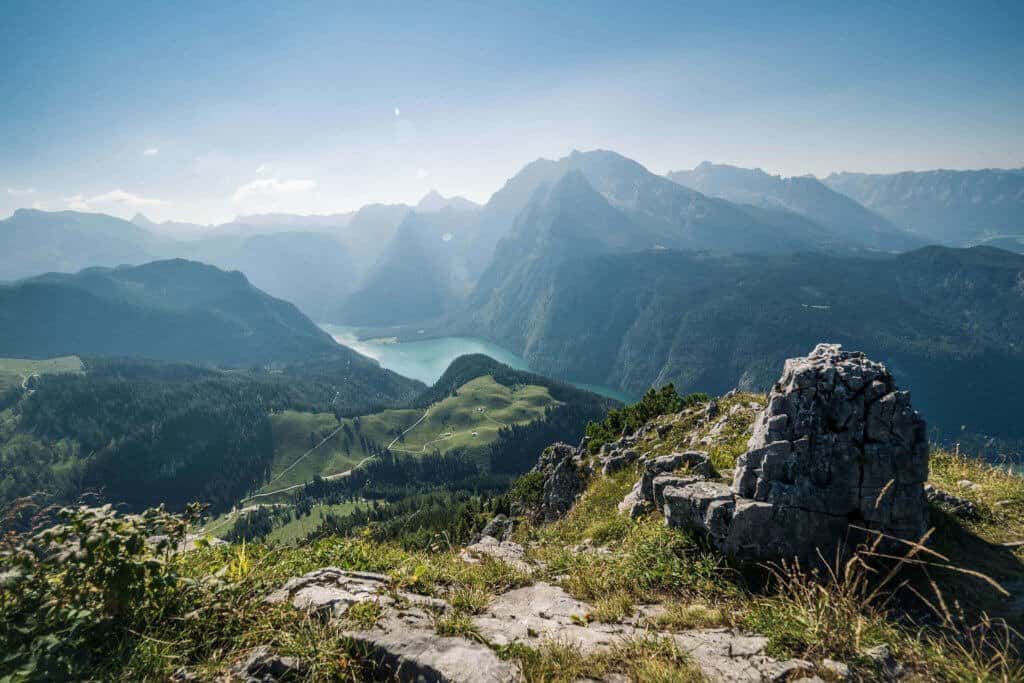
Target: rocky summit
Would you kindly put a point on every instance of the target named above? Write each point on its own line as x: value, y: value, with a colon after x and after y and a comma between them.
x: 838, y: 450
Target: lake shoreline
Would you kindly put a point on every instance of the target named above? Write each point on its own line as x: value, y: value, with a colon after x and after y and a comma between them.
x: 426, y: 359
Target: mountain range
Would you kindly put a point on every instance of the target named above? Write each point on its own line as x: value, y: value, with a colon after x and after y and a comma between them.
x: 595, y: 268
x: 957, y: 208
x: 804, y: 195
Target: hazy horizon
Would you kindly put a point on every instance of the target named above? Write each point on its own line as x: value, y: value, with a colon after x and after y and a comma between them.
x: 202, y: 113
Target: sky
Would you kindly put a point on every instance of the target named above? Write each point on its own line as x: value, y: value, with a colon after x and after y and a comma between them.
x: 200, y: 111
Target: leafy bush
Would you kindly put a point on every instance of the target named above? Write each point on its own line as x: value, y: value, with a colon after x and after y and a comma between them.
x: 528, y: 490
x: 70, y: 593
x: 654, y: 403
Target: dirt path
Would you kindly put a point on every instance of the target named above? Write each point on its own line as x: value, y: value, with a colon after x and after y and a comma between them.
x: 329, y: 477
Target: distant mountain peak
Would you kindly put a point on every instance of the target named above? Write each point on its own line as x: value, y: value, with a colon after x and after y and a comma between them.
x: 434, y: 201
x: 845, y: 218
x: 142, y: 220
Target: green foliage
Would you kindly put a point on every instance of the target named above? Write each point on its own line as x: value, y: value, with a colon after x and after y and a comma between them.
x: 148, y: 432
x: 71, y: 592
x: 455, y: 623
x: 364, y: 614
x: 528, y: 490
x: 641, y: 659
x: 630, y: 418
x: 466, y: 368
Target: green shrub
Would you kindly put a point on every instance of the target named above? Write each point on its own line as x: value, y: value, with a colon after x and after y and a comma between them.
x: 654, y: 403
x: 528, y: 490
x: 71, y: 593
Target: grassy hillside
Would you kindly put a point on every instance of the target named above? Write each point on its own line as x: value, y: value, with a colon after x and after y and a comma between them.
x: 929, y: 617
x: 470, y: 418
x: 14, y: 372
x: 142, y: 432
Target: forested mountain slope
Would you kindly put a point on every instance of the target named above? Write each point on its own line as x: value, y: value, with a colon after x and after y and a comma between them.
x: 168, y: 310
x: 950, y: 321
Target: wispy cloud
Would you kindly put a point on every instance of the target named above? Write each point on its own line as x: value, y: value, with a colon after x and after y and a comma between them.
x: 264, y: 188
x: 114, y: 198
x: 262, y: 168
x: 151, y: 151
x: 21, y: 191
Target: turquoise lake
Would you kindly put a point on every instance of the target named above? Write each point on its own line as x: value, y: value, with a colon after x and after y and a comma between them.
x: 427, y: 360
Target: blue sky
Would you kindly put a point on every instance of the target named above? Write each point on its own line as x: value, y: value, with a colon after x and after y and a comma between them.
x: 201, y: 111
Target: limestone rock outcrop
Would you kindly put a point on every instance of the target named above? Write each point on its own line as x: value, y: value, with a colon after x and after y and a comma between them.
x: 405, y: 646
x: 402, y: 640
x: 838, y: 444
x: 659, y: 473
x: 564, y: 471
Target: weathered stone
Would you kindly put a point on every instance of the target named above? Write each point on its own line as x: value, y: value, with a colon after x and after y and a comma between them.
x: 887, y: 664
x: 617, y: 460
x: 402, y: 642
x: 837, y: 671
x: 543, y: 612
x: 564, y: 479
x: 961, y: 507
x: 498, y: 527
x: 634, y: 503
x: 704, y: 505
x: 838, y: 442
x: 510, y: 553
x: 333, y: 591
x: 694, y: 462
x: 263, y: 666
x: 665, y: 480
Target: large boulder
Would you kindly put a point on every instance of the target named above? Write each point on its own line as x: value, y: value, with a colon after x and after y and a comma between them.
x: 838, y: 444
x: 564, y: 472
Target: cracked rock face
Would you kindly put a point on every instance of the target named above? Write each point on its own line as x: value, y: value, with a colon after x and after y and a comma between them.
x: 564, y: 478
x: 838, y: 444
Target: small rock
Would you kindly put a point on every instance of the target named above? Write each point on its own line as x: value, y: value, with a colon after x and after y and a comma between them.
x: 838, y: 671
x: 779, y: 672
x: 508, y: 552
x: 499, y: 527
x: 882, y: 657
x: 263, y: 666
x: 634, y: 503
x: 183, y: 675
x: 968, y: 484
